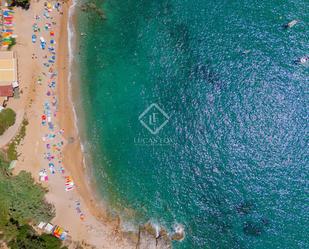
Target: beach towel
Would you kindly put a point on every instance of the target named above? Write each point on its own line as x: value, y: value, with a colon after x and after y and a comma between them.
x: 69, y: 184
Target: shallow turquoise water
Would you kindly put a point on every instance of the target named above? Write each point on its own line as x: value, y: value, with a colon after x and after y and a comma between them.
x: 235, y: 168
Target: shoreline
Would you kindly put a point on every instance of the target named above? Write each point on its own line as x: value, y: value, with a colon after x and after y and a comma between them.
x: 146, y: 234
x: 100, y: 228
x: 75, y: 152
x: 79, y: 123
x: 97, y: 230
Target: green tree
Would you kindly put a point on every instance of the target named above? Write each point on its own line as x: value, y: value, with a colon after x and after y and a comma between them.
x: 28, y: 239
x: 22, y: 201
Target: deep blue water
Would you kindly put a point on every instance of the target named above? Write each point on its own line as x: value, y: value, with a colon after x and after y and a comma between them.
x: 231, y: 163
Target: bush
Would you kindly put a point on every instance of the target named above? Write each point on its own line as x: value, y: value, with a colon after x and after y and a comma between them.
x: 13, y: 42
x: 12, y: 148
x: 25, y: 4
x: 7, y: 119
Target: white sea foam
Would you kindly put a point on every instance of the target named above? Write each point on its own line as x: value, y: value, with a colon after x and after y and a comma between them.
x: 85, y: 146
x: 70, y: 30
x: 71, y: 46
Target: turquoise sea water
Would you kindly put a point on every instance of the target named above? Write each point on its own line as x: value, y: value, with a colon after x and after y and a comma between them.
x: 231, y: 164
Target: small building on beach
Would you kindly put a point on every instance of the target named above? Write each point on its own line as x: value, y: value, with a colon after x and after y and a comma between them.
x: 8, y: 74
x: 6, y: 91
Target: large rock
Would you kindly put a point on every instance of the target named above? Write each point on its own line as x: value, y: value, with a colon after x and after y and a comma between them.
x: 153, y: 237
x: 179, y: 232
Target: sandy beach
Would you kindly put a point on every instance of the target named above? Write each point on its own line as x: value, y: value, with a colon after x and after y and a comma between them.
x: 153, y: 124
x: 93, y: 229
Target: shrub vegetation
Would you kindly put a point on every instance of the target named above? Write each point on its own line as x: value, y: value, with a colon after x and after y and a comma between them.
x: 12, y: 148
x: 7, y: 119
x: 25, y: 4
x: 13, y: 43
